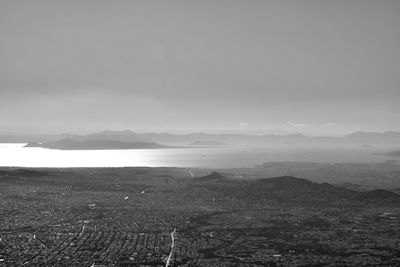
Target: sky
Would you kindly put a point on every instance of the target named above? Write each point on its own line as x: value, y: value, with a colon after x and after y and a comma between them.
x: 314, y: 67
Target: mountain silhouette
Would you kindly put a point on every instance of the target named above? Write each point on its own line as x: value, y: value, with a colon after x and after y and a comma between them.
x: 69, y: 144
x: 207, y: 143
x: 360, y: 137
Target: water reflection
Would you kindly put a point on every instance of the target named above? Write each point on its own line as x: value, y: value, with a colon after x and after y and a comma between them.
x: 217, y: 157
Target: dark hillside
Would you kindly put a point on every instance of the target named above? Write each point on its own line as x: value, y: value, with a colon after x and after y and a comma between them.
x: 288, y: 189
x: 212, y: 177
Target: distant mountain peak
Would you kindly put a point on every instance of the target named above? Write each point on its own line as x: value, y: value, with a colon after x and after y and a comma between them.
x: 122, y: 132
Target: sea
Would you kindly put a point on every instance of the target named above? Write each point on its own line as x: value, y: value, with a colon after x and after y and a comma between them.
x: 16, y: 155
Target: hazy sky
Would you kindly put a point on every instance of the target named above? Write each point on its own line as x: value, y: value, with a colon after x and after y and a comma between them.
x: 319, y: 67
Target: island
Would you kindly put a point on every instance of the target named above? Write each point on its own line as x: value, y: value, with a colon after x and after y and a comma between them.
x: 70, y: 144
x: 208, y: 143
x: 394, y: 153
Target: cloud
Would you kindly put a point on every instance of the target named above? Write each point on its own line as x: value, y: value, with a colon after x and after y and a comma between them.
x: 330, y: 124
x: 294, y: 124
x: 243, y: 124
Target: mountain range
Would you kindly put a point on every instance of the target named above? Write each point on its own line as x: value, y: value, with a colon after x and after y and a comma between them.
x: 362, y: 138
